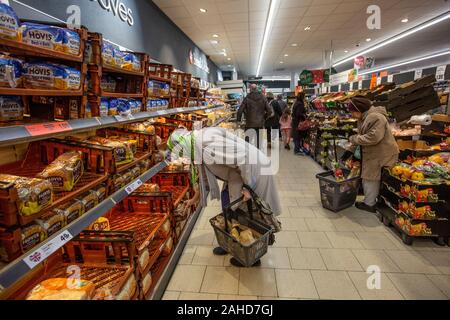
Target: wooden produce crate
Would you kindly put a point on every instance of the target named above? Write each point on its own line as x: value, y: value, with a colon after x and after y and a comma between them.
x: 155, y: 249
x: 10, y: 240
x: 164, y: 130
x: 145, y: 226
x: 147, y: 202
x: 162, y: 72
x: 36, y: 160
x: 172, y: 179
x: 100, y: 258
x: 130, y: 83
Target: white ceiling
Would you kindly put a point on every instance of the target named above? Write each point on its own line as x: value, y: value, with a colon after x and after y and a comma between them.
x: 240, y: 25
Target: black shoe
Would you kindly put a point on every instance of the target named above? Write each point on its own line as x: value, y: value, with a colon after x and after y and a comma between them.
x: 288, y: 147
x: 365, y: 207
x: 219, y: 251
x: 237, y: 264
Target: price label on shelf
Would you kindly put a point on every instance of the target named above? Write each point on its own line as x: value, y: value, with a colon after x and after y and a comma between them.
x: 378, y: 81
x: 418, y: 74
x: 134, y: 186
x: 340, y: 87
x: 39, y: 255
x: 440, y: 73
x: 48, y: 128
x: 390, y: 78
x: 124, y: 118
x: 360, y: 85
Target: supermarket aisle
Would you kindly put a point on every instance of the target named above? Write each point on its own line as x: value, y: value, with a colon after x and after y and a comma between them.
x: 319, y: 255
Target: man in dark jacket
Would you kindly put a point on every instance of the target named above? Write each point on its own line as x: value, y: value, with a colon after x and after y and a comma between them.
x: 283, y: 105
x: 256, y: 109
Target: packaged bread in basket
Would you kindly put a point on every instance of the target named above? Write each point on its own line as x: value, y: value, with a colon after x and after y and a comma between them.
x: 64, y: 172
x: 34, y: 195
x: 62, y: 289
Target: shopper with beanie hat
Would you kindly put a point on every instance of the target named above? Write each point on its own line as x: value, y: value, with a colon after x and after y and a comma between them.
x: 379, y: 148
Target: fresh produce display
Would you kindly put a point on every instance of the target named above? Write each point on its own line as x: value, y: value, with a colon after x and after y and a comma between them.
x: 434, y: 169
x: 420, y: 213
x: 419, y: 229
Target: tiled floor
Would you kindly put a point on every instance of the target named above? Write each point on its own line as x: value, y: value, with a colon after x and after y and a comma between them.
x: 319, y: 255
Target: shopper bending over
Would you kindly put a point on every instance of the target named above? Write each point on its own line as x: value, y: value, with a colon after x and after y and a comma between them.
x: 379, y: 148
x: 220, y: 155
x: 298, y: 116
x: 286, y: 128
x: 256, y: 110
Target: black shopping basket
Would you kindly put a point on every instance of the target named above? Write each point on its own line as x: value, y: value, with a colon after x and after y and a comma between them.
x: 337, y: 195
x: 246, y: 255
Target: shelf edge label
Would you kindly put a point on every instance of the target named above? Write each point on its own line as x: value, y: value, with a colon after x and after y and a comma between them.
x: 48, y: 128
x: 134, y: 186
x: 390, y: 78
x: 39, y: 255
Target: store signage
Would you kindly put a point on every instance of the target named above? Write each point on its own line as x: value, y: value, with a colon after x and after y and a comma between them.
x: 198, y: 61
x: 418, y: 74
x: 38, y: 256
x: 440, y: 73
x: 343, y: 77
x: 359, y: 62
x: 48, y: 128
x: 118, y: 9
x: 363, y: 63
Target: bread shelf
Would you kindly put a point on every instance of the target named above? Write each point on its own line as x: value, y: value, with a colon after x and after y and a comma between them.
x: 19, y: 133
x: 156, y: 78
x: 111, y: 69
x: 33, y: 51
x: 41, y: 92
x: 155, y: 96
x: 122, y: 95
x: 17, y: 269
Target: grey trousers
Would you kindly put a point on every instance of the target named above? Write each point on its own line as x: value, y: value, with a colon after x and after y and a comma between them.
x: 371, y: 191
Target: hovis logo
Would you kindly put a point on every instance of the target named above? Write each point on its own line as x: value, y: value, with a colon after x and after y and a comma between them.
x: 118, y: 8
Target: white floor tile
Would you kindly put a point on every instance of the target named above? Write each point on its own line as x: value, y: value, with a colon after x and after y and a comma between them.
x: 224, y: 280
x: 335, y: 285
x: 369, y: 290
x: 258, y: 282
x: 340, y: 259
x: 296, y: 284
x: 314, y: 240
x: 416, y: 287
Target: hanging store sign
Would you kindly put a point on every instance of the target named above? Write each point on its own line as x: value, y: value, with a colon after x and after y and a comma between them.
x: 198, y: 61
x: 118, y: 9
x: 440, y: 73
x: 343, y: 77
x: 363, y: 63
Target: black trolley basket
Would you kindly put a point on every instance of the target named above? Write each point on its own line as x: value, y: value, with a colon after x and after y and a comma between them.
x: 246, y: 255
x: 337, y: 195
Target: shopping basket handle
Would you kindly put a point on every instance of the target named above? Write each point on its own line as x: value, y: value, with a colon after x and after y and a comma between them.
x: 227, y: 209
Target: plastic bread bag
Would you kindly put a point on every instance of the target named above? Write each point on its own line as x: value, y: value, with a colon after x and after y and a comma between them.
x: 44, y: 36
x: 89, y: 201
x: 9, y: 22
x: 32, y: 235
x: 121, y: 105
x: 10, y: 72
x: 119, y: 57
x: 122, y: 152
x: 108, y: 53
x: 71, y: 211
x: 11, y: 108
x: 71, y: 42
x: 104, y: 107
x: 51, y: 76
x: 52, y: 223
x: 131, y: 62
x: 34, y: 195
x: 64, y: 172
x: 62, y: 289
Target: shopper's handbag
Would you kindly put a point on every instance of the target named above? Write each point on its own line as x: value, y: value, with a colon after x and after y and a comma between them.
x: 305, y: 125
x: 260, y: 211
